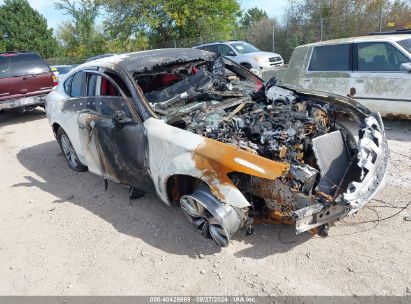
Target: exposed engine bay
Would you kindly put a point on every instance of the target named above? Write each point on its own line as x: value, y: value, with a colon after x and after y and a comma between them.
x: 331, y: 173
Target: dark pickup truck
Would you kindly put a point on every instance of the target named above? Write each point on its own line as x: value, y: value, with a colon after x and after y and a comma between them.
x: 25, y: 80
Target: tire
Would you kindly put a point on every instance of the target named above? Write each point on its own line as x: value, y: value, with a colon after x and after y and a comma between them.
x: 211, y: 217
x: 69, y: 152
x: 246, y: 65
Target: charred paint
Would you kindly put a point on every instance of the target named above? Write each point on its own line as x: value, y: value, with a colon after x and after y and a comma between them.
x: 215, y: 160
x: 122, y: 153
x: 263, y: 135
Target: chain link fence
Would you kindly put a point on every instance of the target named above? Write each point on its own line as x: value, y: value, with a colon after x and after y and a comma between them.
x: 65, y: 60
x: 268, y: 35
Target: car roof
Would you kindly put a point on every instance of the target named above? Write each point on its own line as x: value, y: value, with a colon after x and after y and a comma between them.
x: 236, y: 41
x: 148, y: 60
x: 369, y: 38
x: 100, y: 56
x: 60, y: 66
x: 220, y: 42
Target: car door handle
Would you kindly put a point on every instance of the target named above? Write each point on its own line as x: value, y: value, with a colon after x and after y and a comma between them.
x: 29, y: 77
x: 360, y: 81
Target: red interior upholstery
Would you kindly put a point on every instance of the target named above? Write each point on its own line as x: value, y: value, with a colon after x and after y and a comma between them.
x: 107, y: 89
x: 104, y: 87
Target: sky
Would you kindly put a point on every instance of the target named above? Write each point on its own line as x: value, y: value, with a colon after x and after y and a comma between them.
x: 274, y: 8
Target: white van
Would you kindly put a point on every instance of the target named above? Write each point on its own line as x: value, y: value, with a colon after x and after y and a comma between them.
x: 375, y: 70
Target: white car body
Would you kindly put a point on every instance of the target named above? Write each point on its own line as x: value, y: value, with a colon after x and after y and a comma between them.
x: 120, y: 116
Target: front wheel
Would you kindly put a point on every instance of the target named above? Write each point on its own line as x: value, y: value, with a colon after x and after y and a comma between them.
x: 69, y: 152
x: 210, y: 216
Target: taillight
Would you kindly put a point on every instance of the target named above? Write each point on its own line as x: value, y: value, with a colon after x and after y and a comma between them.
x: 55, y: 80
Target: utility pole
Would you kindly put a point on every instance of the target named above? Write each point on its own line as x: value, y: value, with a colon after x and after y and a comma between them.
x: 321, y: 28
x: 273, y: 38
x: 381, y: 18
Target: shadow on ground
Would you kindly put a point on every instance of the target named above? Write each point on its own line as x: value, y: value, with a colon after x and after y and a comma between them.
x: 16, y: 117
x: 399, y: 130
x: 148, y: 218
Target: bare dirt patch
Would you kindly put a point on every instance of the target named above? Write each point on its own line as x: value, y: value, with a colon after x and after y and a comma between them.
x: 61, y: 234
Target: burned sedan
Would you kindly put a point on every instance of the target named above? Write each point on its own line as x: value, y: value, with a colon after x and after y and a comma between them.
x: 206, y: 134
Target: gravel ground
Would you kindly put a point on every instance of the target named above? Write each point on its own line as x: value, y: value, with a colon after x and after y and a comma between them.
x: 61, y: 234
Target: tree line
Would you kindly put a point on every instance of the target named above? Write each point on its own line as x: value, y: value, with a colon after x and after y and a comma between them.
x: 94, y: 27
x: 308, y: 21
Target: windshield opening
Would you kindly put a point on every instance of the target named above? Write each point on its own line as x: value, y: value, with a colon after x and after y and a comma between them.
x: 191, y: 86
x: 244, y: 47
x: 406, y: 44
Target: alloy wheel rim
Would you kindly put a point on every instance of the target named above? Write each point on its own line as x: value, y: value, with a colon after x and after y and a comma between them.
x: 68, y: 150
x: 203, y: 220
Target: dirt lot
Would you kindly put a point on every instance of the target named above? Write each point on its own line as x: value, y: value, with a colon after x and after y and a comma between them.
x: 61, y: 234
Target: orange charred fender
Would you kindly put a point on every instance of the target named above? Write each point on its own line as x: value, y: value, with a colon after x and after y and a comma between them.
x: 175, y: 151
x: 216, y: 160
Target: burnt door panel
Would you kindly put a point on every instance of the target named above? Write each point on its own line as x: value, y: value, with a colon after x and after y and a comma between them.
x: 122, y: 151
x: 118, y: 141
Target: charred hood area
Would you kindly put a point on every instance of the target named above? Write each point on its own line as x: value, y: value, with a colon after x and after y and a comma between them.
x: 331, y: 172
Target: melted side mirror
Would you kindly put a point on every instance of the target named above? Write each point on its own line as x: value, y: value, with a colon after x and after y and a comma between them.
x: 120, y: 118
x: 231, y: 54
x: 406, y: 67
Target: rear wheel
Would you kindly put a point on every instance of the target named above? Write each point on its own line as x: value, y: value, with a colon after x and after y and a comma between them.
x: 69, y: 152
x: 210, y: 216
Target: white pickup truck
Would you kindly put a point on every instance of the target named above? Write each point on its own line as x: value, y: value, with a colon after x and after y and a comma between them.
x: 375, y: 70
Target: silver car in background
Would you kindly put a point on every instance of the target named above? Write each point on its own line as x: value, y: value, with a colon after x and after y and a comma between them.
x: 245, y: 54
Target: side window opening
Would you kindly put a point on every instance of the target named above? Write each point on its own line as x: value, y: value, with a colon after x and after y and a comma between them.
x: 108, y: 89
x: 76, y: 85
x: 331, y: 58
x: 406, y: 44
x: 91, y: 84
x: 223, y: 50
x: 379, y: 57
x: 209, y: 48
x: 104, y: 98
x: 67, y: 85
